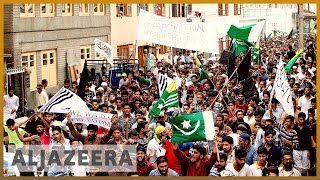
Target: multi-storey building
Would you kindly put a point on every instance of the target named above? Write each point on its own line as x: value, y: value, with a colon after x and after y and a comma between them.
x: 124, y: 19
x: 46, y: 37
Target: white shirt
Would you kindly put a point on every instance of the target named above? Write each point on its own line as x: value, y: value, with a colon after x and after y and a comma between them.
x: 245, y: 171
x: 255, y: 170
x: 10, y: 103
x: 293, y: 172
x: 250, y: 120
x: 79, y: 170
x: 41, y: 98
x: 154, y: 145
x: 305, y: 104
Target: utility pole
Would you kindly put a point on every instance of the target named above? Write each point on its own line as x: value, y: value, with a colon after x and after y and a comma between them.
x: 300, y: 25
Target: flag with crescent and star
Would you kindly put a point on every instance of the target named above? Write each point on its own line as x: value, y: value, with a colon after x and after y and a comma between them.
x: 193, y: 127
x: 169, y: 98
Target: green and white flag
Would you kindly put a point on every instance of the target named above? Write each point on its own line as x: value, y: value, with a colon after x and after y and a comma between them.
x: 249, y: 33
x: 293, y: 61
x: 193, y: 127
x: 169, y: 98
x: 238, y: 46
x: 256, y: 52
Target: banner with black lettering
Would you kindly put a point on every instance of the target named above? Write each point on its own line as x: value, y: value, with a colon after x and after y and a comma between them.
x: 91, y: 117
x: 281, y: 89
x: 105, y: 49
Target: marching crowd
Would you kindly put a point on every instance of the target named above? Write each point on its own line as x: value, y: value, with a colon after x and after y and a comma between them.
x: 254, y: 135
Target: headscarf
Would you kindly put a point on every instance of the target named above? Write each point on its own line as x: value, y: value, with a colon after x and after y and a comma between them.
x: 157, y: 132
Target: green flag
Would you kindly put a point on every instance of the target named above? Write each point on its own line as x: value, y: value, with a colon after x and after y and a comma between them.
x: 142, y: 81
x: 247, y: 33
x: 293, y: 61
x: 193, y: 127
x: 203, y: 75
x: 238, y: 46
x: 169, y: 98
x: 256, y: 52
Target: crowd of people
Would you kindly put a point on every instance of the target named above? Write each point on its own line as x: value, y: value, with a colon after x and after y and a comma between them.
x: 254, y: 135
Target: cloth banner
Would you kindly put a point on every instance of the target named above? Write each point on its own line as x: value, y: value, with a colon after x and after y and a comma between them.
x: 105, y: 49
x: 196, y: 36
x: 91, y: 117
x: 282, y: 89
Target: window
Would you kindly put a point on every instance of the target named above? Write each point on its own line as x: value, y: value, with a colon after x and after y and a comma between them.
x: 223, y: 43
x: 49, y: 67
x: 125, y: 51
x: 27, y: 10
x: 85, y: 52
x: 84, y: 10
x: 189, y: 9
x: 67, y: 10
x: 237, y: 9
x: 223, y: 10
x: 47, y: 10
x: 124, y: 10
x: 29, y: 60
x: 142, y: 6
x: 159, y: 9
x: 98, y: 9
x: 178, y: 10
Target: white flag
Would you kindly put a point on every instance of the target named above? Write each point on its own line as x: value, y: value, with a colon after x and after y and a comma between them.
x: 163, y: 82
x: 105, y: 49
x: 63, y: 101
x: 281, y: 89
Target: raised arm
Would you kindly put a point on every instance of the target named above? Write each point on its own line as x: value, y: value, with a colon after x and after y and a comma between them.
x: 73, y: 131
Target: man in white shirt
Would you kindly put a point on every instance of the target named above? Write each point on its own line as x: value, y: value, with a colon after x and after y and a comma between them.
x: 239, y: 167
x: 76, y: 169
x: 287, y: 169
x: 256, y: 168
x: 249, y: 118
x: 156, y: 144
x: 41, y: 96
x: 176, y: 58
x: 305, y: 101
x: 11, y: 105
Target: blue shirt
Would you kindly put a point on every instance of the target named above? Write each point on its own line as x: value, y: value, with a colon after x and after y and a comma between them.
x: 251, y: 155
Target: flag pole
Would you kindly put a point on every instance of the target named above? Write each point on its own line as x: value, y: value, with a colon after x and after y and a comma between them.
x: 228, y: 80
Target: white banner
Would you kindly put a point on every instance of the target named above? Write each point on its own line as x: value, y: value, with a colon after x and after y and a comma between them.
x: 105, y: 49
x: 91, y: 117
x: 179, y: 34
x: 281, y: 89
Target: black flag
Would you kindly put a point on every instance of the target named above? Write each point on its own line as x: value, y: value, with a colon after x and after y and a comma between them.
x: 249, y: 87
x: 228, y: 58
x: 243, y: 69
x: 84, y: 79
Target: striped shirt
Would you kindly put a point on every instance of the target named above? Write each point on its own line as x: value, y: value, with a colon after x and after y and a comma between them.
x: 291, y: 136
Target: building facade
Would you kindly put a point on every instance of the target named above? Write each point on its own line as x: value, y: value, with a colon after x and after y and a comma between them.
x: 45, y: 38
x: 124, y: 19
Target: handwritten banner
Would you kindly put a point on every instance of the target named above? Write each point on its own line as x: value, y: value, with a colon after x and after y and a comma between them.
x: 91, y: 117
x: 282, y: 89
x: 105, y: 49
x: 179, y: 34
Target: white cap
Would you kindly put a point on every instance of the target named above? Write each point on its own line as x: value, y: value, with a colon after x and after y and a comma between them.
x: 210, y: 74
x: 100, y: 89
x: 104, y: 84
